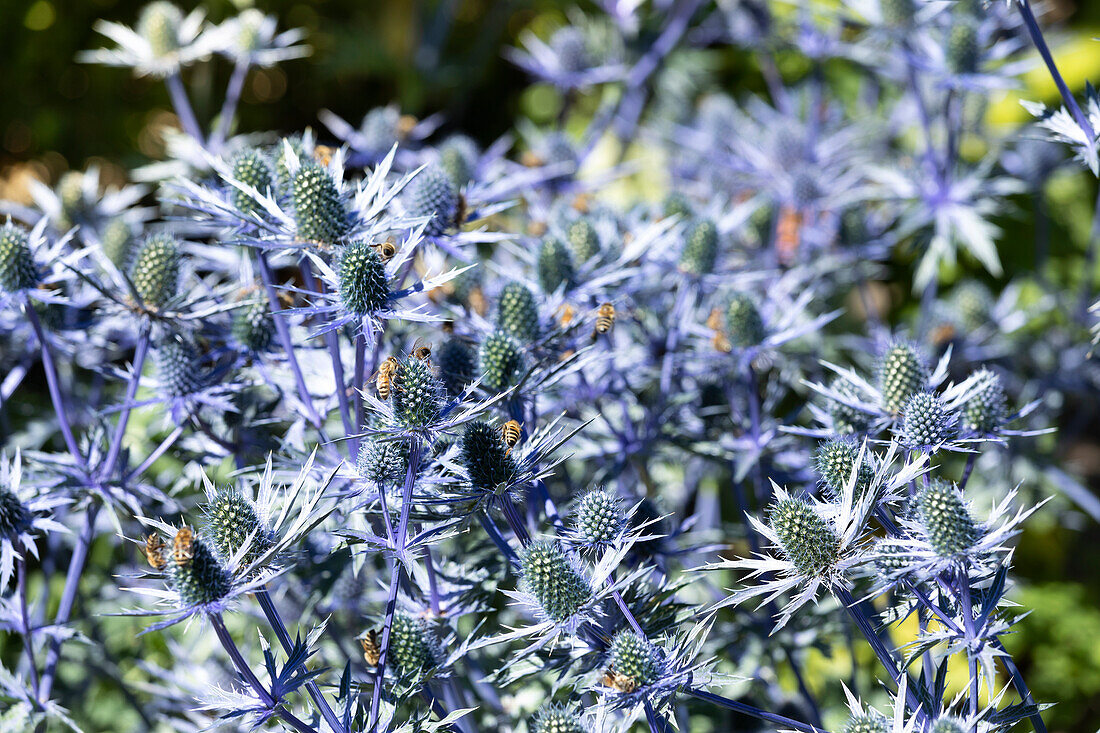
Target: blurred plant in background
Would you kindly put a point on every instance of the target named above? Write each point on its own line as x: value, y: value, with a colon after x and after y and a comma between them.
x: 732, y: 373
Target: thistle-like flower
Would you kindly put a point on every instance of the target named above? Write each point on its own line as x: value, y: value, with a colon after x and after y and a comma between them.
x: 583, y: 239
x: 24, y: 514
x: 413, y: 647
x: 163, y: 41
x: 555, y: 581
x: 901, y: 374
x: 457, y: 364
x: 987, y: 407
x: 598, y: 519
x: 156, y: 270
x: 252, y: 326
x: 500, y: 361
x: 487, y: 460
x: 555, y: 266
x: 838, y: 462
x: 746, y: 328
x: 945, y: 522
x: 235, y: 525
x: 518, y: 313
x: 926, y: 422
x: 252, y: 168
x: 17, y: 268
x: 432, y: 194
x: 700, y: 252
x: 319, y: 209
x: 633, y: 661
x: 555, y: 718
x: 416, y: 393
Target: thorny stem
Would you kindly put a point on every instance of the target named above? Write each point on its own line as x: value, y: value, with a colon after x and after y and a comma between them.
x: 963, y: 582
x: 395, y: 581
x: 182, y: 106
x: 1070, y: 101
x: 140, y: 351
x: 52, y: 382
x: 1021, y: 687
x: 750, y: 710
x: 277, y: 625
x: 970, y: 461
x: 68, y: 596
x: 245, y: 670
x: 229, y: 106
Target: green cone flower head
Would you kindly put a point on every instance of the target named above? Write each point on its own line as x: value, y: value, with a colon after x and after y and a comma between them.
x: 890, y: 557
x: 867, y: 723
x: 551, y: 577
x: 156, y: 270
x: 599, y: 518
x: 416, y: 393
x: 746, y: 328
x: 250, y: 166
x: 117, y: 241
x: 583, y: 239
x: 433, y: 193
x: 925, y: 422
x: 901, y: 374
x: 252, y: 326
x: 806, y: 539
x: 457, y: 157
x: 987, y: 408
x: 364, y: 285
x: 557, y: 719
x: 898, y: 12
x: 231, y: 518
x: 943, y: 517
x: 973, y: 304
x: 159, y: 24
x: 555, y: 265
x: 485, y: 457
x: 963, y: 51
x: 700, y: 248
x: 412, y: 648
x: 319, y: 211
x: 677, y: 204
x: 835, y: 460
x: 456, y: 365
x: 948, y: 725
x: 195, y: 570
x: 500, y: 361
x: 518, y: 313
x: 383, y: 462
x: 283, y: 179
x: 177, y: 365
x: 634, y: 658
x: 17, y: 268
x: 847, y: 419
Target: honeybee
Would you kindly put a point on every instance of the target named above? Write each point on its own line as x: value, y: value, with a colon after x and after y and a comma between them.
x: 511, y: 432
x: 605, y: 319
x: 788, y: 233
x: 372, y: 651
x: 383, y: 378
x: 154, y: 551
x: 714, y: 320
x: 619, y: 682
x: 721, y: 342
x: 183, y: 546
x: 565, y: 313
x: 323, y: 154
x: 421, y: 350
x: 386, y: 250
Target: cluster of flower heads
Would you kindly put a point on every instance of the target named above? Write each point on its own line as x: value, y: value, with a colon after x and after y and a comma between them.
x: 512, y: 452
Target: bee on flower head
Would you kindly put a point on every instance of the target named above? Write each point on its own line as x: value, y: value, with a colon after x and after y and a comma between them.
x: 618, y: 682
x: 182, y: 546
x: 788, y: 233
x: 511, y: 432
x: 605, y: 319
x: 383, y: 378
x: 421, y: 350
x: 386, y: 250
x: 323, y: 154
x: 372, y: 650
x: 154, y: 551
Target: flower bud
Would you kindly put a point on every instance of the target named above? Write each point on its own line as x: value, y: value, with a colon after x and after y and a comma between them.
x: 379, y: 131
x: 806, y: 539
x: 17, y: 268
x: 901, y: 373
x: 383, y: 462
x: 411, y: 646
x: 925, y: 422
x: 634, y: 658
x: 231, y: 518
x: 159, y: 24
x: 986, y: 409
x: 433, y: 193
x: 746, y: 328
x: 364, y: 285
x: 500, y: 361
x: 251, y: 168
x: 156, y: 270
x: 551, y: 577
x: 518, y: 313
x: 835, y: 461
x: 252, y: 326
x: 583, y: 239
x: 456, y: 365
x: 700, y: 248
x: 319, y: 212
x: 599, y: 518
x: 486, y: 459
x: 416, y: 393
x: 197, y: 574
x: 555, y: 266
x: 867, y: 723
x: 557, y: 719
x: 178, y: 367
x: 942, y: 514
